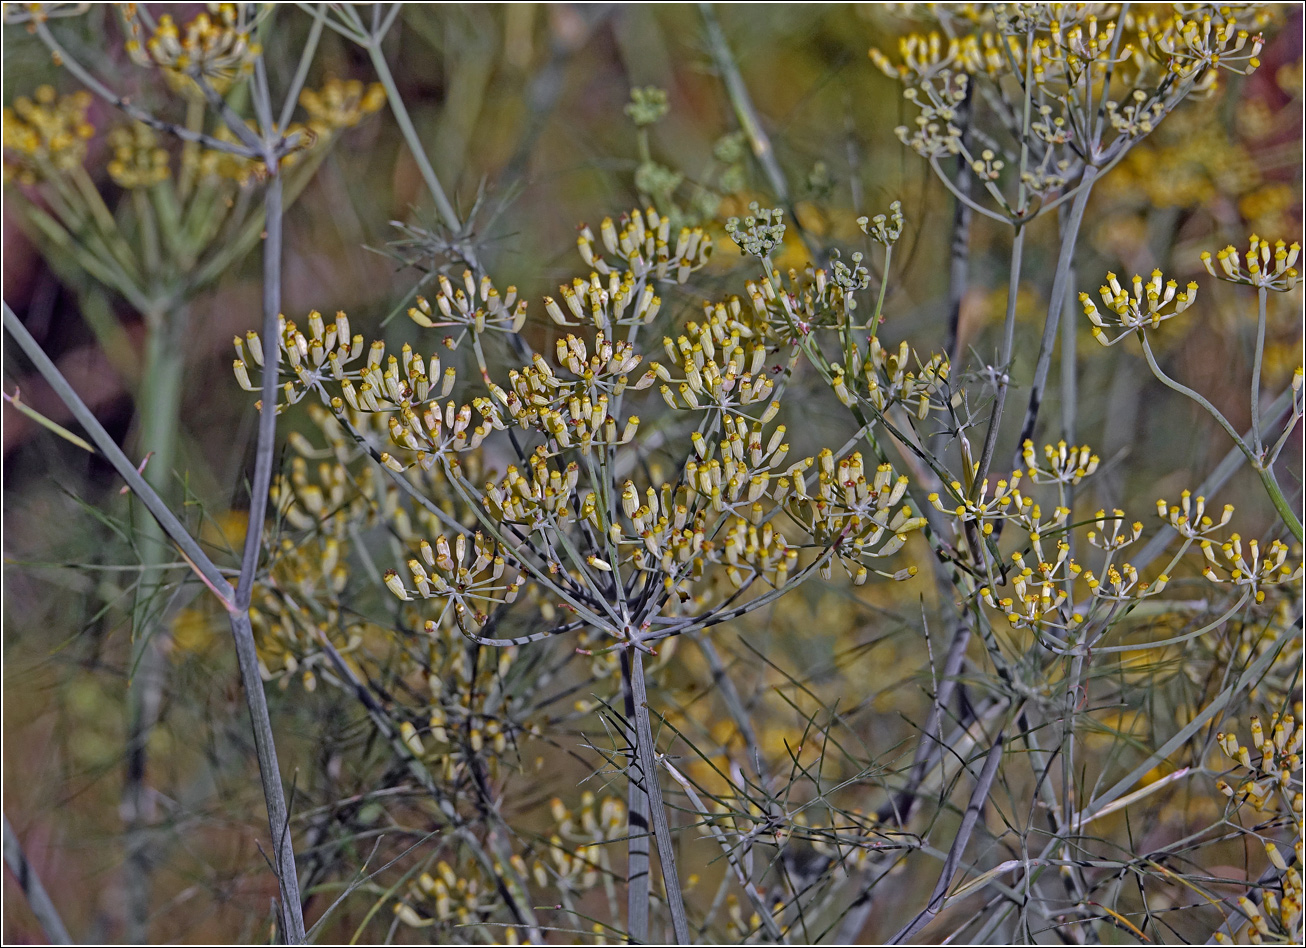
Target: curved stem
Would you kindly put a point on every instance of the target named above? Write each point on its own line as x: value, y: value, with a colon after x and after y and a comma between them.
x: 1271, y: 484
x: 1197, y: 397
x: 966, y: 199
x: 1178, y: 639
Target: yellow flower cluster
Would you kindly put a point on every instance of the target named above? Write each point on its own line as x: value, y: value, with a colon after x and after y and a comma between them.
x: 1271, y: 781
x: 244, y: 169
x: 1273, y: 267
x: 457, y: 306
x: 297, y: 604
x: 467, y: 580
x: 642, y: 243
x: 45, y: 135
x: 786, y: 308
x: 561, y: 520
x: 572, y: 402
x: 856, y: 515
x: 1066, y: 60
x: 1073, y: 47
x: 699, y: 352
x: 1043, y: 588
x: 340, y: 103
x: 1189, y: 518
x: 926, y: 56
x: 1064, y: 465
x: 1149, y: 305
x: 885, y: 378
x: 577, y: 855
x: 1198, y: 45
x: 305, y: 355
x: 1251, y: 569
x: 138, y: 161
x: 1044, y: 598
x: 216, y: 45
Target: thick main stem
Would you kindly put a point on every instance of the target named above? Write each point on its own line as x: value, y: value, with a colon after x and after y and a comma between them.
x: 158, y: 410
x: 292, y: 916
x: 1056, y: 303
x: 637, y: 842
x: 647, y: 762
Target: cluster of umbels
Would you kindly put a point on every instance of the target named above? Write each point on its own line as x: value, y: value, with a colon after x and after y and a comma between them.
x: 474, y: 306
x: 467, y: 581
x: 1269, y: 778
x: 647, y: 106
x: 404, y: 388
x: 1267, y: 631
x: 1149, y: 305
x: 45, y: 135
x: 318, y: 510
x: 1197, y: 44
x: 1267, y: 267
x: 1065, y: 465
x: 1068, y: 59
x: 465, y: 709
x: 190, y: 201
x: 886, y: 229
x: 633, y: 560
x: 1053, y: 593
x: 217, y: 45
x: 296, y: 603
x: 856, y: 515
x: 718, y: 371
x: 325, y: 488
x: 758, y: 233
x: 462, y: 707
x: 572, y: 402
